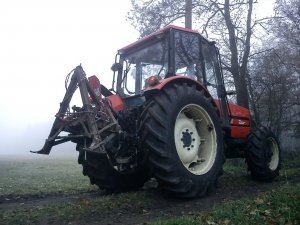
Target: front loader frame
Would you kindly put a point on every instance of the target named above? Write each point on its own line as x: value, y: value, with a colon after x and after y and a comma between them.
x: 85, y: 117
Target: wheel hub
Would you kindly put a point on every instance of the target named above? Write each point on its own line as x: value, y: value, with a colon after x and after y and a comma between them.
x: 187, y: 139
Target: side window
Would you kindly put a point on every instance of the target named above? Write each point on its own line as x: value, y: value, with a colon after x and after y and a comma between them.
x: 209, y: 55
x: 187, y: 55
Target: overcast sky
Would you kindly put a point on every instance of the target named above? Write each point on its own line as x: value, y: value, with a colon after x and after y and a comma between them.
x: 40, y: 43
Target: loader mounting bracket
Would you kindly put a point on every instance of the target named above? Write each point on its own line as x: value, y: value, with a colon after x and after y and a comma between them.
x: 86, y: 118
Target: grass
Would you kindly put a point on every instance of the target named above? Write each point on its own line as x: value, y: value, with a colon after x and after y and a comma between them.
x: 232, y: 166
x: 52, y: 174
x: 39, y: 174
x: 291, y: 165
x: 135, y: 202
x: 280, y: 206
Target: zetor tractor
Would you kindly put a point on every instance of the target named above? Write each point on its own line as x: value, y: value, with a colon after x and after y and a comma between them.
x: 166, y: 116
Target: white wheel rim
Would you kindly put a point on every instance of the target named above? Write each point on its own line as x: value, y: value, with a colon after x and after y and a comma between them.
x: 272, y: 144
x: 195, y: 139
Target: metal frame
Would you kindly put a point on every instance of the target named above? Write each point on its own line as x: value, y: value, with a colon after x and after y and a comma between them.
x: 85, y: 118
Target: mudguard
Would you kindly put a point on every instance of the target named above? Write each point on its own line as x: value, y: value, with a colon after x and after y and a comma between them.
x: 149, y: 91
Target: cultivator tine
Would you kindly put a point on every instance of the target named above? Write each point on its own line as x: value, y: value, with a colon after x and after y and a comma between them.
x: 46, y: 148
x: 59, y: 123
x: 50, y: 142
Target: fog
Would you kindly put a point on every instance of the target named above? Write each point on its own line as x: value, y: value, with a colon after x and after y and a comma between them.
x: 40, y: 43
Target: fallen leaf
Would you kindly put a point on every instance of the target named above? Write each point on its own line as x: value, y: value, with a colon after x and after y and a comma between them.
x: 226, y: 221
x: 145, y: 211
x: 267, y: 212
x: 272, y: 222
x: 259, y: 201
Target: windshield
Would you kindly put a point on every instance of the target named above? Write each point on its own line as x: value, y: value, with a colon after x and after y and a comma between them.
x: 143, y: 63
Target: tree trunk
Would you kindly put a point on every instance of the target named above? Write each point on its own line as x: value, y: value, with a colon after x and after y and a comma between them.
x: 188, y: 14
x: 252, y: 101
x: 238, y: 71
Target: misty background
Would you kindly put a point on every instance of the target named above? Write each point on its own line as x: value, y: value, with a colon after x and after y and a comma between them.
x: 40, y: 43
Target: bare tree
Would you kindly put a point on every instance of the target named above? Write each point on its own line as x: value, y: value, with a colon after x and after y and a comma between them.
x: 188, y: 13
x: 286, y: 27
x: 229, y: 21
x: 276, y: 97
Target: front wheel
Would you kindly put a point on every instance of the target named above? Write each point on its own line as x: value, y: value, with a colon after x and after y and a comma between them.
x: 263, y: 154
x: 100, y: 171
x: 182, y: 132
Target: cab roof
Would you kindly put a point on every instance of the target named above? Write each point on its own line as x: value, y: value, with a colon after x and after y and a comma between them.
x: 154, y: 35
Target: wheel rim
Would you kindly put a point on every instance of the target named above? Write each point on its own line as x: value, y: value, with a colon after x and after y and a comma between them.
x: 273, y: 146
x: 195, y: 139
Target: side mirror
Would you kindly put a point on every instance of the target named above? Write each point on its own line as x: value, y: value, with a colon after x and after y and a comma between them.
x: 116, y: 67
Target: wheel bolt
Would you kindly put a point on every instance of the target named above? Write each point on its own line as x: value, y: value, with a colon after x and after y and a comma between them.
x: 189, y: 148
x: 191, y: 133
x: 192, y: 146
x: 193, y: 139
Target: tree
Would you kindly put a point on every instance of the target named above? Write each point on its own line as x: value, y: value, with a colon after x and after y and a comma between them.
x: 276, y: 97
x: 286, y: 27
x: 228, y: 21
x: 188, y: 13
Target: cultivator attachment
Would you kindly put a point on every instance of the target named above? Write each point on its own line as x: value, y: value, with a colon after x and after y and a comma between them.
x: 86, y: 123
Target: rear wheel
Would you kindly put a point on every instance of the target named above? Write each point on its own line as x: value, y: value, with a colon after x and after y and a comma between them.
x: 263, y: 154
x: 100, y: 171
x: 182, y: 132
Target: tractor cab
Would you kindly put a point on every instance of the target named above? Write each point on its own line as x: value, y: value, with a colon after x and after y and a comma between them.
x: 175, y: 54
x: 172, y: 51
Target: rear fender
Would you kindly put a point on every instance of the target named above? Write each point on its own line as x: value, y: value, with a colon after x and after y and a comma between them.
x: 151, y: 91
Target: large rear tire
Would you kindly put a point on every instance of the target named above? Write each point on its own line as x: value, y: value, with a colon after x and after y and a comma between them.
x: 263, y: 154
x: 181, y: 130
x: 98, y: 168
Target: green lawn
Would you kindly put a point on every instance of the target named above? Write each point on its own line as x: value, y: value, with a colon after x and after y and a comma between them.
x: 279, y: 206
x: 276, y: 207
x: 82, y: 209
x: 40, y: 174
x: 37, y: 174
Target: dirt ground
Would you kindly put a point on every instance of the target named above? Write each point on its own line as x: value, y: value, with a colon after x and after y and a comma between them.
x: 231, y: 187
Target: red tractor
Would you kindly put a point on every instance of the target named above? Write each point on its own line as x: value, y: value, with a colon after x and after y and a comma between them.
x: 166, y: 116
